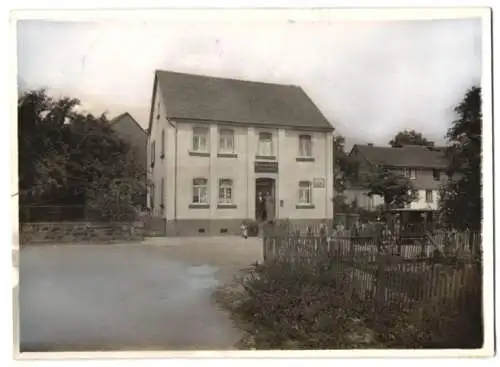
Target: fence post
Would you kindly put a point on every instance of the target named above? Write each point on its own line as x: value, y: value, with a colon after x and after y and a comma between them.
x: 379, y: 298
x: 351, y: 250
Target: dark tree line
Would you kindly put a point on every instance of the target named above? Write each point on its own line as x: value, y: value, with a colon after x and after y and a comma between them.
x: 409, y: 137
x: 461, y: 198
x: 72, y: 158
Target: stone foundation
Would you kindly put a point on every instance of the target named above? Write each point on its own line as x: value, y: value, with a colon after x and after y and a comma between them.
x: 77, y: 232
x: 204, y: 227
x: 221, y: 227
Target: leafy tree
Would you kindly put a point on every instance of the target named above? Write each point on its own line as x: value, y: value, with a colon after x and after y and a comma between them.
x: 409, y: 137
x: 70, y: 158
x: 396, y: 190
x: 340, y: 204
x: 344, y: 167
x: 461, y: 197
x: 42, y: 132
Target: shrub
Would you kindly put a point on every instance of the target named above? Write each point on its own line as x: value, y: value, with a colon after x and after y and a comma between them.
x: 285, y: 306
x: 297, y: 306
x: 440, y: 322
x: 252, y: 227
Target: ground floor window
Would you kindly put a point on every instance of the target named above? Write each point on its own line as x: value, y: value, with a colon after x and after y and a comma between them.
x: 200, y: 192
x: 225, y: 191
x: 429, y: 196
x: 305, y: 191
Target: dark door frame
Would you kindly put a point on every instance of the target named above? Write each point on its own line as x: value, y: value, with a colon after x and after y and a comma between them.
x: 270, y: 184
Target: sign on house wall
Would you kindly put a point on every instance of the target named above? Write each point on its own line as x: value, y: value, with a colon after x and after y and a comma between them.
x: 266, y: 167
x: 319, y: 182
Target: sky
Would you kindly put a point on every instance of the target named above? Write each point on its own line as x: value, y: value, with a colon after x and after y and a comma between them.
x: 370, y: 79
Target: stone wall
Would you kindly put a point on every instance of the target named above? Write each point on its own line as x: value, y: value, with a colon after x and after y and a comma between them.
x: 74, y: 232
x: 153, y: 226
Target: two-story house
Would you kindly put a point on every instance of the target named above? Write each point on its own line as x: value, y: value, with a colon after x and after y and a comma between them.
x: 219, y: 147
x: 424, y: 166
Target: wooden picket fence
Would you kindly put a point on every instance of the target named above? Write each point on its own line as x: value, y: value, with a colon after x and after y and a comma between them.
x: 430, y: 270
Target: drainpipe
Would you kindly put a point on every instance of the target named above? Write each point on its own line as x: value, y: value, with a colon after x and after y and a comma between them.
x: 175, y: 181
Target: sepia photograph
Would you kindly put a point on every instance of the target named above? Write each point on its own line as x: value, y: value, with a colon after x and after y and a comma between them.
x: 259, y: 181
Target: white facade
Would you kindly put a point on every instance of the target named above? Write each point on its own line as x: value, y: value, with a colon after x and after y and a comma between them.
x: 427, y: 200
x: 360, y: 196
x: 205, y: 180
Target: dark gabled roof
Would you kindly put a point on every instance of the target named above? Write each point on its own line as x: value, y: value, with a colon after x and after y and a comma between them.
x: 121, y: 117
x: 412, y: 156
x: 205, y: 98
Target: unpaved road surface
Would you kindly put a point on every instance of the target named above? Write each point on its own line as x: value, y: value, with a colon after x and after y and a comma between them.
x: 150, y: 296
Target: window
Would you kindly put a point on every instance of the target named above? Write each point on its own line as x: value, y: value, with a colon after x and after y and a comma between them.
x: 200, y: 139
x: 265, y: 144
x: 226, y: 141
x: 436, y: 174
x: 200, y: 191
x: 429, y: 197
x: 162, y: 193
x: 158, y: 111
x: 153, y: 153
x: 162, y: 143
x: 409, y: 173
x: 305, y: 191
x: 305, y: 146
x: 225, y: 191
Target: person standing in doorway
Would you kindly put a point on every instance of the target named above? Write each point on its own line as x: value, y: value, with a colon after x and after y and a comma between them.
x: 269, y: 207
x: 260, y: 206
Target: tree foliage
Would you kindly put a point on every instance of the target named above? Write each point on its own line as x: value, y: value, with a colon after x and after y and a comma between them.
x: 409, y: 137
x: 396, y: 190
x: 345, y: 168
x: 71, y: 158
x: 461, y: 197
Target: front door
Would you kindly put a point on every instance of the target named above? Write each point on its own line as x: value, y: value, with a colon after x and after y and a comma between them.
x: 265, y: 203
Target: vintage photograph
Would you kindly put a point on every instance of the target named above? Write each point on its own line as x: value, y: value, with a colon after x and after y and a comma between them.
x: 215, y: 183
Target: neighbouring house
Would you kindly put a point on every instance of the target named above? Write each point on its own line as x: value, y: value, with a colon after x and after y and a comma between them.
x: 130, y: 131
x: 223, y: 151
x: 424, y: 166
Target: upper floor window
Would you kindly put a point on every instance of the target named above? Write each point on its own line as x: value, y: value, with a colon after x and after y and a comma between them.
x: 163, y: 143
x: 409, y: 173
x: 158, y: 111
x: 226, y: 141
x: 305, y: 192
x: 200, y: 139
x: 225, y: 191
x: 265, y: 144
x: 436, y: 174
x: 200, y: 191
x: 153, y: 153
x: 305, y: 146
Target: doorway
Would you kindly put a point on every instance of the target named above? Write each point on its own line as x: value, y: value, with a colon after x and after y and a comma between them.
x: 265, y: 199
